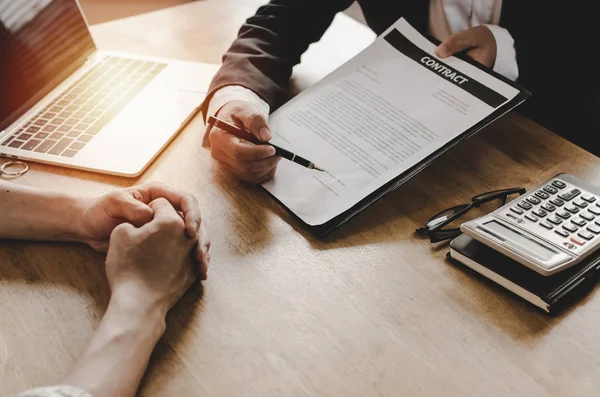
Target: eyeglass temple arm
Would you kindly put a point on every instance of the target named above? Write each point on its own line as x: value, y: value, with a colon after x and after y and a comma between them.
x: 503, y: 194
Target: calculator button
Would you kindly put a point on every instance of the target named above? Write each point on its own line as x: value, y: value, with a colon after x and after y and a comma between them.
x: 579, y: 222
x: 564, y: 214
x: 559, y: 184
x: 587, y: 216
x: 562, y: 233
x: 594, y: 229
x: 571, y: 194
x: 556, y: 201
x: 572, y: 209
x: 548, y: 207
x: 546, y: 225
x: 519, y: 220
x: 541, y: 194
x: 534, y: 200
x: 554, y: 219
x: 586, y: 235
x: 570, y: 228
x: 525, y: 205
x: 517, y: 210
x: 580, y: 203
x: 550, y: 189
x: 577, y: 241
x: 540, y: 212
x: 594, y: 210
x: 588, y: 198
x: 531, y: 218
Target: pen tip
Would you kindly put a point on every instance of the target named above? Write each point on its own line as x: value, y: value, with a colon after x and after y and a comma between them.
x: 319, y: 169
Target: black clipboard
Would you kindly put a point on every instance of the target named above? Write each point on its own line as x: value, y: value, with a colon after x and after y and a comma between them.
x: 326, y: 228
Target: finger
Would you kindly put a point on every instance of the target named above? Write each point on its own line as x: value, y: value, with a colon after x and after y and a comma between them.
x: 181, y: 201
x: 223, y: 160
x: 479, y: 56
x: 124, y: 230
x: 456, y: 43
x: 242, y: 174
x: 227, y: 162
x: 203, y: 253
x: 122, y: 205
x: 151, y: 191
x: 269, y: 175
x: 189, y: 276
x: 252, y: 171
x: 164, y: 211
x: 100, y: 246
x: 253, y: 120
x: 240, y: 149
x: 191, y: 279
x: 202, y: 267
x: 248, y: 168
x: 192, y: 215
x: 266, y: 167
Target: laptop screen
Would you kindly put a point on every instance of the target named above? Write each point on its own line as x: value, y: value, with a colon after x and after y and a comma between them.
x: 41, y: 43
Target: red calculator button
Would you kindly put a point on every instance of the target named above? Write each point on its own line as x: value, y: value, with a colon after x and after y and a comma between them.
x: 577, y: 241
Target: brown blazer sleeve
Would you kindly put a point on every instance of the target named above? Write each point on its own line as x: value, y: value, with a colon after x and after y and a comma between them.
x: 270, y: 43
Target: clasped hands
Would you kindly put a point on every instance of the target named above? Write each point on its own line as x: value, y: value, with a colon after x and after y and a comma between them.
x: 155, y: 241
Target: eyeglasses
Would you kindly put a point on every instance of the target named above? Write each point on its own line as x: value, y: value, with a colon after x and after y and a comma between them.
x: 434, y: 227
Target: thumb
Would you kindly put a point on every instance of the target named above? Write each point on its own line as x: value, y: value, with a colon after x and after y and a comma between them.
x: 456, y: 43
x: 133, y: 211
x: 255, y: 122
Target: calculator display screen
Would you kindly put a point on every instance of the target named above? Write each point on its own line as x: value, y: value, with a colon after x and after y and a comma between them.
x: 542, y: 251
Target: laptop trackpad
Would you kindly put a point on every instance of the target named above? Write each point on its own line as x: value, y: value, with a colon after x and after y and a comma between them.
x: 160, y: 106
x: 139, y: 132
x: 189, y: 76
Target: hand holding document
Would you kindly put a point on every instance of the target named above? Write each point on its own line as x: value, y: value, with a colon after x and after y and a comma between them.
x: 380, y: 118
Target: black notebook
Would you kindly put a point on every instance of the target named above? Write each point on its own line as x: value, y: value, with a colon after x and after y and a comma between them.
x: 377, y: 121
x: 549, y: 293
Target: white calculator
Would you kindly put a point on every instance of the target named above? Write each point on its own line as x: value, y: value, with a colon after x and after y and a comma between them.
x: 549, y: 229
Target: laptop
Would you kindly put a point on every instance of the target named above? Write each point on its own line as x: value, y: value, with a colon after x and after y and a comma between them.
x: 65, y: 103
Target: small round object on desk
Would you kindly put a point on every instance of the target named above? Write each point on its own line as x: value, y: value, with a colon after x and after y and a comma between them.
x: 14, y: 169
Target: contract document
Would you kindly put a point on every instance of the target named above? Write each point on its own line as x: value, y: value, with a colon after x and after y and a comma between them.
x: 377, y: 120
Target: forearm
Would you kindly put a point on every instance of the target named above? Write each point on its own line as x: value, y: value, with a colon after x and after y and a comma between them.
x: 36, y: 214
x: 271, y: 42
x: 117, y: 356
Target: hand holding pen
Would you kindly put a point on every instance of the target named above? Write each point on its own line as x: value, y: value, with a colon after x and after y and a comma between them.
x: 250, y: 163
x: 244, y: 134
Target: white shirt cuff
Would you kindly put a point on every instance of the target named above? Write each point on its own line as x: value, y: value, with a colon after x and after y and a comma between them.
x: 232, y: 93
x: 55, y: 391
x: 506, y: 57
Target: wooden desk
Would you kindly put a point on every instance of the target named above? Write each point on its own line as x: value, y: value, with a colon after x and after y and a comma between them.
x: 372, y: 311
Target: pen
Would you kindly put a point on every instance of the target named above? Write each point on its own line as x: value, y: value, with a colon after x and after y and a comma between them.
x: 244, y: 134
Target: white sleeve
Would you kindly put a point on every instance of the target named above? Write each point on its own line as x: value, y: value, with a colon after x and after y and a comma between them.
x: 506, y: 57
x: 231, y: 93
x: 55, y: 391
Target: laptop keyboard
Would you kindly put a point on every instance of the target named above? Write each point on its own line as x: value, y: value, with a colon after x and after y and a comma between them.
x: 72, y: 120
